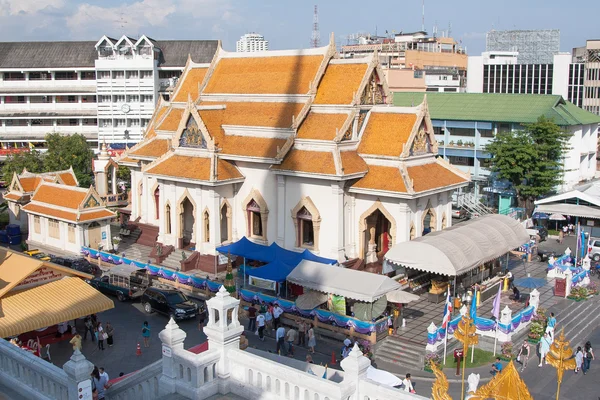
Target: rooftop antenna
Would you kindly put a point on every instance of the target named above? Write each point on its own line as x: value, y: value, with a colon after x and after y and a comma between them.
x: 423, y: 18
x: 315, y: 38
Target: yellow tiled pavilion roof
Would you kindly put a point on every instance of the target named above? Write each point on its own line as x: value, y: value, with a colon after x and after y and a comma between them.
x: 340, y: 83
x: 314, y: 162
x: 197, y: 168
x: 386, y: 133
x: 68, y: 178
x: 171, y: 122
x: 432, y: 176
x: 190, y: 85
x: 30, y: 183
x: 321, y: 126
x: 152, y: 148
x: 382, y: 178
x: 352, y: 163
x: 64, y: 196
x: 264, y: 75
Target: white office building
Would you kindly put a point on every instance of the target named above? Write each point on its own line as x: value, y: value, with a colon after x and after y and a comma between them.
x: 251, y: 42
x: 106, y: 91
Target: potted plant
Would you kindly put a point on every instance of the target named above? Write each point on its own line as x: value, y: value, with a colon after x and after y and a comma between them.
x: 592, y: 288
x: 432, y: 359
x: 507, y: 351
x: 440, y: 142
x: 459, y: 142
x: 115, y: 242
x: 451, y: 143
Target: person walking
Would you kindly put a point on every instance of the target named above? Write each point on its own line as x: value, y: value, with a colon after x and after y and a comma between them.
x: 76, y: 342
x: 561, y: 236
x: 277, y: 311
x: 260, y: 322
x: 301, y: 333
x: 279, y: 338
x: 101, y: 336
x: 407, y: 384
x: 89, y: 327
x: 252, y: 318
x: 146, y: 334
x: 578, y: 359
x: 347, y: 348
x: 544, y: 348
x: 110, y: 331
x: 550, y: 325
x: 312, y: 341
x: 290, y: 338
x: 588, y: 356
x: 99, y: 383
x: 269, y: 317
x: 523, y: 356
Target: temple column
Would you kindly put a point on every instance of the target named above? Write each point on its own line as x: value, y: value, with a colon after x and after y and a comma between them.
x: 281, y: 210
x: 337, y: 219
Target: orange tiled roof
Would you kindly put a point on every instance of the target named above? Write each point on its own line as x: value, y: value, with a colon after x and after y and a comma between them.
x: 128, y: 160
x: 340, y: 83
x: 171, y: 122
x: 88, y: 216
x: 386, y: 133
x: 68, y: 179
x: 12, y: 196
x: 66, y: 196
x: 352, y: 163
x: 50, y: 212
x: 190, y: 85
x: 432, y: 176
x: 150, y: 133
x: 321, y: 126
x: 382, y: 178
x: 264, y: 75
x: 30, y: 183
x: 251, y: 146
x: 153, y: 148
x: 315, y: 162
x: 195, y: 168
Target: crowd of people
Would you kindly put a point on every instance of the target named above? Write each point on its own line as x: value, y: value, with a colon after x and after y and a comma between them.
x: 97, y: 331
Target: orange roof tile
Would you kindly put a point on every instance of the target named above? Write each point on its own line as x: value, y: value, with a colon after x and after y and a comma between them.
x: 65, y: 196
x: 352, y: 163
x: 340, y: 83
x: 12, y: 196
x: 171, y: 122
x: 382, y: 178
x: 264, y: 75
x: 51, y: 212
x: 321, y: 126
x: 68, y: 179
x: 88, y: 216
x: 432, y: 176
x: 30, y: 183
x: 150, y: 133
x: 190, y: 85
x: 153, y: 148
x: 386, y: 133
x: 251, y: 146
x: 128, y: 160
x: 195, y: 168
x: 315, y: 162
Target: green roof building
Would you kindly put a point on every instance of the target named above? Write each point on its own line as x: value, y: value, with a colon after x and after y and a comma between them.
x: 465, y: 122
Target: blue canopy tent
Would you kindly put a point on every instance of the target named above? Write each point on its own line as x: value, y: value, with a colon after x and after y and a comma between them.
x: 273, y: 273
x: 247, y: 249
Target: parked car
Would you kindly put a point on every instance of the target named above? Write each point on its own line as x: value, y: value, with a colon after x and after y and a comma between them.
x: 595, y: 250
x: 83, y: 265
x: 169, y: 302
x: 123, y: 281
x: 458, y: 213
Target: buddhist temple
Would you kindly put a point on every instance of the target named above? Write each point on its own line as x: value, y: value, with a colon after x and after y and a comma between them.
x: 296, y: 147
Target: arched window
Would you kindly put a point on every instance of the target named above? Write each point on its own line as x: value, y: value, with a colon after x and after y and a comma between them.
x: 306, y: 233
x: 255, y: 227
x: 157, y: 201
x: 168, y: 219
x: 225, y: 216
x: 206, y: 222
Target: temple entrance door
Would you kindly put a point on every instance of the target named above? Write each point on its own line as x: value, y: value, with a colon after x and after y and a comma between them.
x: 94, y: 235
x: 187, y: 222
x: 382, y: 238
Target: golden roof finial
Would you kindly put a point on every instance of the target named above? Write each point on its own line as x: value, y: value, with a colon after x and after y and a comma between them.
x: 560, y: 357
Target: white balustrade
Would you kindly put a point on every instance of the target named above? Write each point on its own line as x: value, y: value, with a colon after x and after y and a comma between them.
x: 141, y: 385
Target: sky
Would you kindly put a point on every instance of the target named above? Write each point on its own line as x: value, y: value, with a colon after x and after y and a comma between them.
x: 288, y: 24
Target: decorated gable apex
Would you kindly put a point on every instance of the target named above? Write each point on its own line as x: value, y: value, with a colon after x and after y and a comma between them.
x: 70, y: 204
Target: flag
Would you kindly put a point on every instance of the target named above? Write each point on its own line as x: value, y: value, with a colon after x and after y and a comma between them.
x: 447, y: 310
x: 589, y: 244
x: 496, y: 304
x: 473, y: 312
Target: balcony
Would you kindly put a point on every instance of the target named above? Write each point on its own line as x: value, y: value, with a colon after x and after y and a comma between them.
x: 115, y: 200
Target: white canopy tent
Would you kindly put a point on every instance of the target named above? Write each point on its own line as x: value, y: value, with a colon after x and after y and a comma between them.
x: 460, y: 248
x: 356, y: 285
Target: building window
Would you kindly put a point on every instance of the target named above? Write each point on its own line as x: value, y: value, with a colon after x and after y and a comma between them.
x: 53, y: 229
x: 306, y: 233
x: 41, y: 122
x: 462, y: 132
x: 65, y: 76
x: 132, y: 74
x: 145, y: 74
x: 121, y: 123
x: 88, y: 99
x: 14, y: 76
x: 104, y: 99
x: 168, y: 219
x: 40, y: 99
x: 255, y: 228
x: 118, y: 74
x: 103, y: 74
x: 168, y: 74
x: 487, y: 133
x: 119, y: 98
x: 14, y: 99
x: 40, y: 76
x: 462, y: 161
x: 156, y: 201
x: 206, y: 224
x: 88, y: 75
x: 36, y: 224
x: 146, y: 98
x: 89, y: 121
x: 66, y: 99
x: 133, y: 98
x: 71, y: 232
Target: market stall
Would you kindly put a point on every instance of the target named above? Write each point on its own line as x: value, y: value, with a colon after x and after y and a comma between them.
x: 461, y: 256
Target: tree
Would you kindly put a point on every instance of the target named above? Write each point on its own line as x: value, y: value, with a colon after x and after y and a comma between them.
x: 65, y: 151
x: 32, y: 160
x: 530, y: 159
x: 124, y: 174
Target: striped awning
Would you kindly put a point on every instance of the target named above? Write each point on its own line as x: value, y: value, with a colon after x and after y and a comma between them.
x: 50, y: 304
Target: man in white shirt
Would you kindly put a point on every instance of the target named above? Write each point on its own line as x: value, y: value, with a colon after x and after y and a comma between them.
x: 277, y: 311
x: 260, y: 322
x: 280, y: 337
x: 290, y: 338
x: 407, y: 384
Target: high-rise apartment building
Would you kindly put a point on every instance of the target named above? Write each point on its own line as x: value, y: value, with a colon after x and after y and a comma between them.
x: 533, y: 46
x: 251, y: 42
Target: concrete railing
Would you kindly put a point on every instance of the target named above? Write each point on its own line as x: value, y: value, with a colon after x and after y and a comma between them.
x: 370, y: 390
x: 141, y: 385
x: 256, y: 377
x: 31, y: 376
x: 196, y: 373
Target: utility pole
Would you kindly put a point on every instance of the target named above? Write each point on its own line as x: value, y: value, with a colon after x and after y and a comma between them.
x: 315, y: 38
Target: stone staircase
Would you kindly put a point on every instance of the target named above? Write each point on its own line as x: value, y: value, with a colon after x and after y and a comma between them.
x: 578, y: 319
x: 399, y: 356
x: 173, y: 260
x: 149, y: 234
